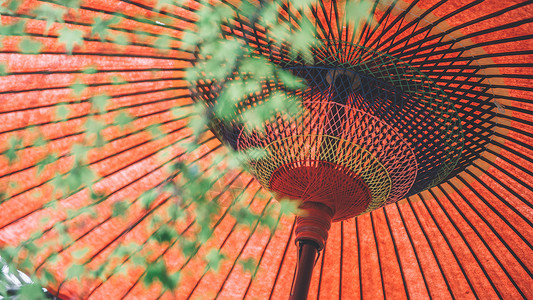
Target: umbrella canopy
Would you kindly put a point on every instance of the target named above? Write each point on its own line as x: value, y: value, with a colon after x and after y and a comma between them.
x: 462, y: 233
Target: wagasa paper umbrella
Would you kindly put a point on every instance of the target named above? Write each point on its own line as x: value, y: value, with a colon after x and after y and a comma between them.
x: 401, y: 130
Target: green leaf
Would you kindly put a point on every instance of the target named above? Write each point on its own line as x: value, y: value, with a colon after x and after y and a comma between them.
x: 16, y: 28
x: 32, y: 250
x: 78, y: 87
x: 40, y: 141
x: 50, y: 13
x: 248, y: 265
x: 140, y: 36
x: 94, y: 129
x: 75, y: 271
x: 70, y: 38
x: 233, y: 93
x: 62, y: 112
x: 246, y: 8
x: 165, y: 234
x: 175, y: 279
x: 53, y: 259
x: 358, y: 12
x: 182, y: 111
x: 288, y: 207
x: 100, y: 102
x: 94, y: 126
x: 139, y: 261
x: 97, y: 197
x: 3, y: 290
x: 303, y: 40
x: 205, y: 233
x: 256, y: 117
x: 90, y: 70
x: 198, y: 125
x: 9, y: 6
x: 177, y: 213
x: 80, y: 152
x: 121, y: 39
x: 209, y: 20
x: 80, y: 253
x: 100, y: 26
x: 31, y: 291
x: 124, y: 120
x: 48, y: 159
x: 148, y: 198
x: 189, y: 40
x: 91, y: 211
x: 117, y: 80
x: 270, y: 222
x: 120, y: 208
x: 74, y: 4
x: 302, y: 4
x: 257, y: 67
x: 30, y: 46
x: 3, y: 69
x: 244, y: 216
x: 280, y: 33
x: 163, y: 42
x: 290, y: 80
x: 158, y: 271
x: 47, y: 278
x: 188, y: 247
x: 214, y: 259
x: 14, y: 142
x: 269, y: 14
x: 155, y: 131
x: 79, y: 176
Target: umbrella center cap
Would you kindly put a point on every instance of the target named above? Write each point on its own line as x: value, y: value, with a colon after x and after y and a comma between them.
x: 340, y: 190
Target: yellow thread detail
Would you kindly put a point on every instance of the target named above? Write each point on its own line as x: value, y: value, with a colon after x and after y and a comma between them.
x: 305, y: 150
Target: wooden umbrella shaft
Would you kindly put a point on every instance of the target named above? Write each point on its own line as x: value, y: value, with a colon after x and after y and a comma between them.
x: 306, y: 262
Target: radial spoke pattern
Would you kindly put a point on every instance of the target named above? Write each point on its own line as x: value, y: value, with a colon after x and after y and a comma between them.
x: 468, y: 236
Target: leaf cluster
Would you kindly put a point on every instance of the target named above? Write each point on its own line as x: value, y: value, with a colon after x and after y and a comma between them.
x: 223, y: 58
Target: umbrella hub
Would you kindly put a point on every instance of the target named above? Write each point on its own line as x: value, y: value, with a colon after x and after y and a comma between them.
x: 335, y: 188
x: 313, y: 224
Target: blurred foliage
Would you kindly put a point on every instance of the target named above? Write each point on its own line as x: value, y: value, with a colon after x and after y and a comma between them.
x: 16, y: 285
x: 189, y: 182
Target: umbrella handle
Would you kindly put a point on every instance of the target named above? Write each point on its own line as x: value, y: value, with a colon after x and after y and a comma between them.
x: 304, y: 270
x: 312, y: 228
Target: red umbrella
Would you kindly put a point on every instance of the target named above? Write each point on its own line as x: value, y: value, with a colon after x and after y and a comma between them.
x: 470, y: 236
